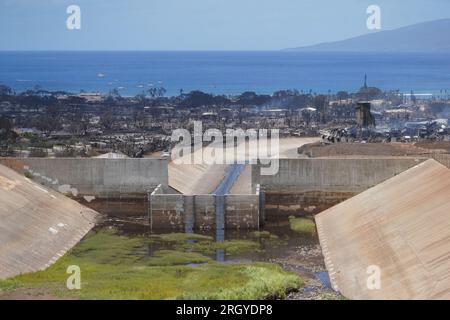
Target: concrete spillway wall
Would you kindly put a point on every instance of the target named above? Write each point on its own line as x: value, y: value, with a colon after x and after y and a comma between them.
x: 200, y: 212
x: 313, y: 185
x: 97, y: 177
x: 242, y: 211
x: 352, y: 175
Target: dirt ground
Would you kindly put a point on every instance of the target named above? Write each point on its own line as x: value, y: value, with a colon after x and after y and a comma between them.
x: 315, y: 150
x: 306, y: 262
x: 434, y: 145
x: 29, y: 294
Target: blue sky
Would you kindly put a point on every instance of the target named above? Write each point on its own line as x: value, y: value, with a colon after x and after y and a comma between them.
x: 199, y: 24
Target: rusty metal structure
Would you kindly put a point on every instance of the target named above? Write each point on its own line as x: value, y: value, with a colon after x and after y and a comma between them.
x: 364, y: 117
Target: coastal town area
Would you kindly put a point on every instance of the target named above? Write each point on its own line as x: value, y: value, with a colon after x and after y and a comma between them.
x: 40, y: 123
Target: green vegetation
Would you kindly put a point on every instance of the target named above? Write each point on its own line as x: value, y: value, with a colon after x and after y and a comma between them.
x: 173, y: 257
x: 264, y: 235
x: 180, y: 237
x: 117, y: 267
x: 261, y: 280
x: 106, y: 247
x: 231, y: 247
x: 205, y: 244
x: 302, y: 225
x: 28, y: 175
x: 267, y: 239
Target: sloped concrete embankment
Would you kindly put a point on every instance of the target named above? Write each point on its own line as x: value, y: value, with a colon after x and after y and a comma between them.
x: 37, y: 224
x: 392, y: 241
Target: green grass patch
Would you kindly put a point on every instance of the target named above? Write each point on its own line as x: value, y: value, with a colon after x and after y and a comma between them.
x: 302, y: 225
x: 28, y: 175
x: 260, y: 234
x: 264, y: 235
x: 173, y: 257
x: 231, y: 247
x: 204, y: 244
x: 117, y: 267
x: 180, y: 237
x: 107, y: 247
x: 261, y: 280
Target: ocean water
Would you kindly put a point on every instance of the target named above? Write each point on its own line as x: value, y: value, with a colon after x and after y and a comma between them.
x: 223, y: 72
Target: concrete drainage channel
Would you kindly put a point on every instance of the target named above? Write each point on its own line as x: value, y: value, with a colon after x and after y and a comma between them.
x: 216, y: 211
x: 237, y: 216
x: 231, y: 175
x: 219, y: 212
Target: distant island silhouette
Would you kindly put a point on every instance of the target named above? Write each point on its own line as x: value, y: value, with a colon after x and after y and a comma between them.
x: 431, y: 36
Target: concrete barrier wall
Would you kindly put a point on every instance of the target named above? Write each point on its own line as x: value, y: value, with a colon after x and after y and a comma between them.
x: 167, y: 211
x: 343, y: 175
x: 204, y: 212
x: 199, y: 212
x: 122, y: 205
x: 241, y: 211
x: 97, y: 177
x: 309, y: 186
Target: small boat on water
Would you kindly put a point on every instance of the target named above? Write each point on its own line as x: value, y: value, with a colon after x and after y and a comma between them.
x: 101, y: 75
